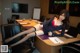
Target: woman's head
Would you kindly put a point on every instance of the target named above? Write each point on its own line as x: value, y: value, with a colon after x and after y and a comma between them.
x: 64, y: 15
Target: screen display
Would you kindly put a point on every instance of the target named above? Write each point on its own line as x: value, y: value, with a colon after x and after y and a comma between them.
x: 19, y: 8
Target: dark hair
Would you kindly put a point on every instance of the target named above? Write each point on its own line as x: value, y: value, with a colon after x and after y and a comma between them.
x: 66, y: 20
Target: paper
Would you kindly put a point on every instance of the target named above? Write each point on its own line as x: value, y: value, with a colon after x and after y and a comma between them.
x: 67, y: 35
x: 36, y: 13
x: 56, y: 40
x: 23, y: 23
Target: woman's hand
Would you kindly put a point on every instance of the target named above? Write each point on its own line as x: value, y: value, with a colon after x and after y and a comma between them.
x: 66, y: 30
x: 50, y: 33
x: 59, y: 32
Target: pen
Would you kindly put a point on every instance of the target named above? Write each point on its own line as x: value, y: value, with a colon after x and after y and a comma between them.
x: 57, y: 41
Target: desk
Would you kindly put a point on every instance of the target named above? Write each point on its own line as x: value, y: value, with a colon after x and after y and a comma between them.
x: 28, y: 23
x: 47, y: 46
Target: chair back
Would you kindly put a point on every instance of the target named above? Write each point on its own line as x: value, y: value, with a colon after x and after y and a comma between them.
x: 69, y: 49
x: 9, y: 30
x: 78, y: 27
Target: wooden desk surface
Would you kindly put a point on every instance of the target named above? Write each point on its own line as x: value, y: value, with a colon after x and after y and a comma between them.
x: 65, y: 40
x: 29, y: 23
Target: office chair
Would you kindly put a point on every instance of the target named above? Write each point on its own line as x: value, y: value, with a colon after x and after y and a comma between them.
x: 12, y: 19
x: 15, y: 16
x: 9, y: 30
x: 70, y: 48
x: 42, y: 18
x: 78, y: 27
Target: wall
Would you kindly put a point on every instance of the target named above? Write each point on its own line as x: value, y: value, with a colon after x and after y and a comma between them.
x: 44, y: 6
x: 74, y: 20
x: 0, y: 12
x: 7, y: 13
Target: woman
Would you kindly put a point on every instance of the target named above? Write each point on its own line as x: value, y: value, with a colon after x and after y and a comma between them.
x: 54, y: 27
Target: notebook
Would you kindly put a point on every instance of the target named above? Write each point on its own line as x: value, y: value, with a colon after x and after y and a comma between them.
x: 56, y: 40
x: 72, y: 32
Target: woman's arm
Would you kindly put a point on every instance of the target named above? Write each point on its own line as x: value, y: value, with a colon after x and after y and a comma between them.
x: 59, y: 33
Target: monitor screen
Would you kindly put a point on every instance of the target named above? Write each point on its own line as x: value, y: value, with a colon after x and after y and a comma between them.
x: 19, y: 8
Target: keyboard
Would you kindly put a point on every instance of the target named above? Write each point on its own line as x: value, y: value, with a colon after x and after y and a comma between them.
x: 68, y: 36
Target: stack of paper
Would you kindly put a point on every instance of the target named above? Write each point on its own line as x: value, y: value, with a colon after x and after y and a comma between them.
x: 56, y: 40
